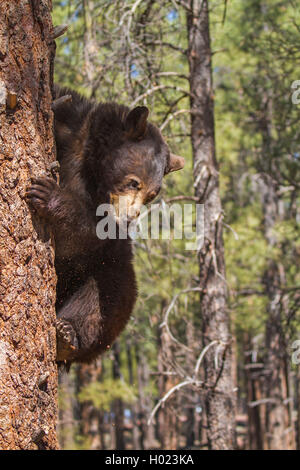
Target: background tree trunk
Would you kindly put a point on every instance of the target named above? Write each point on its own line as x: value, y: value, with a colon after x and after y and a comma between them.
x: 118, y: 405
x: 146, y: 432
x: 279, y: 427
x: 28, y: 372
x: 68, y: 407
x: 219, y: 403
x: 278, y: 423
x: 89, y: 414
x: 253, y: 378
x: 168, y: 415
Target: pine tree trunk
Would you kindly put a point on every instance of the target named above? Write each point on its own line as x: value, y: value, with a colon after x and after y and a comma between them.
x: 297, y: 406
x: 252, y: 386
x: 190, y: 411
x: 220, y: 396
x: 279, y: 426
x: 137, y: 443
x: 278, y: 420
x: 90, y: 416
x: 169, y: 412
x: 28, y: 372
x: 118, y: 405
x: 66, y: 417
x: 90, y: 44
x: 144, y: 404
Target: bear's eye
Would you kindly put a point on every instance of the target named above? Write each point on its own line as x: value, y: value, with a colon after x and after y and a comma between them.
x: 134, y: 184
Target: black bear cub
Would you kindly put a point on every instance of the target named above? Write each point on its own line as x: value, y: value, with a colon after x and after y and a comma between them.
x: 105, y: 151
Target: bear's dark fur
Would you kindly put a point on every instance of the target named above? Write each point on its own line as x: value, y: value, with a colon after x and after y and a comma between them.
x: 104, y: 151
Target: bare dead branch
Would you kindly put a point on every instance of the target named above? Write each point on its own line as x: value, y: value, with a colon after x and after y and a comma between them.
x: 156, y: 88
x: 171, y: 116
x: 182, y: 198
x: 59, y: 101
x: 167, y: 395
x: 59, y: 31
x: 169, y: 309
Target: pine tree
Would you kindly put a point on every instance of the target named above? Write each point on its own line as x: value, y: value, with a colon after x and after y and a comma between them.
x: 28, y: 372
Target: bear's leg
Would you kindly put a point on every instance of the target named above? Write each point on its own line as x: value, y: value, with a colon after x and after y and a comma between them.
x: 72, y: 221
x: 117, y: 294
x: 79, y: 323
x: 94, y: 316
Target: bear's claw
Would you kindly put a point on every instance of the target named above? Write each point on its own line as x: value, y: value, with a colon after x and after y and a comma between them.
x: 41, y: 195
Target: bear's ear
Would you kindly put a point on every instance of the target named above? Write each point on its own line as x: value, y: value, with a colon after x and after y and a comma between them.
x: 176, y: 163
x: 136, y: 123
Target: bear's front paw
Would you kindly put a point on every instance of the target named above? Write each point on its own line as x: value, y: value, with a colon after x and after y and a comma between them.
x: 66, y: 339
x: 44, y: 196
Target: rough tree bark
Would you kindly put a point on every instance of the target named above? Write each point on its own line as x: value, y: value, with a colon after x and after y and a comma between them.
x: 28, y: 373
x: 220, y: 396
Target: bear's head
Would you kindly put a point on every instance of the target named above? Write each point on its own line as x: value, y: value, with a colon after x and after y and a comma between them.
x: 136, y: 163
